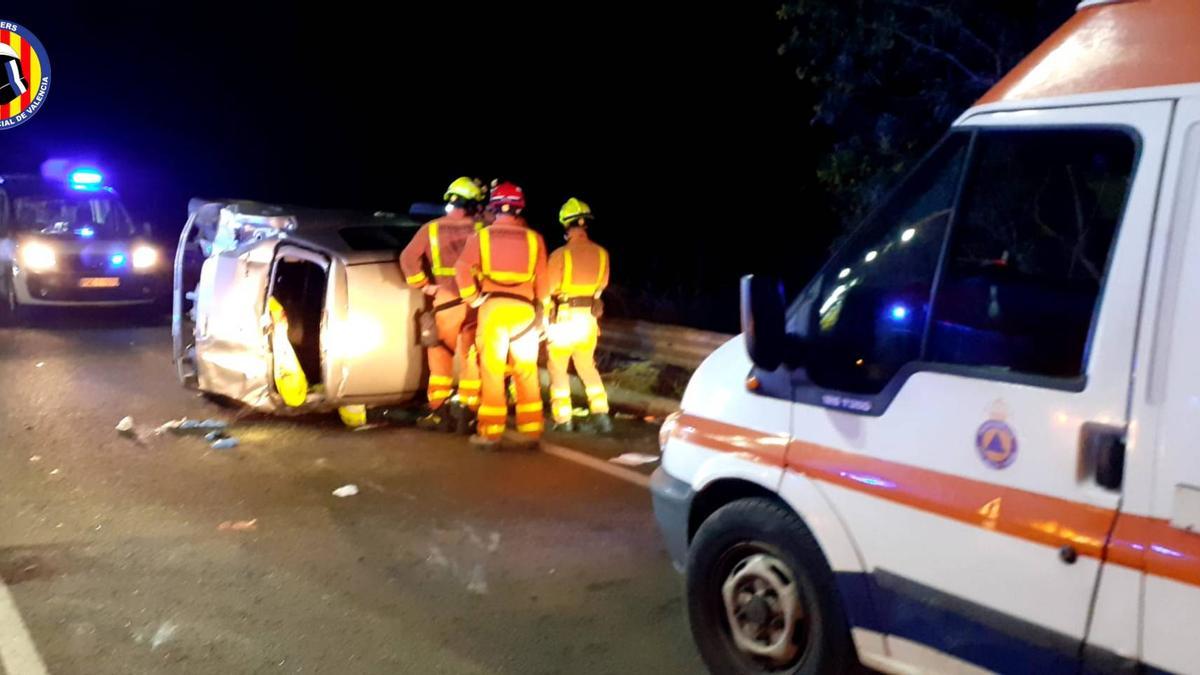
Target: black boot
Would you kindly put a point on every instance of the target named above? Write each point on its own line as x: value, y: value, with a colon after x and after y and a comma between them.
x: 436, y: 420
x: 600, y: 424
x: 464, y: 420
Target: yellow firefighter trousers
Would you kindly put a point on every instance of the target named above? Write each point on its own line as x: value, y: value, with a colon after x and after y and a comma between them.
x: 441, y: 359
x: 572, y: 338
x: 500, y: 322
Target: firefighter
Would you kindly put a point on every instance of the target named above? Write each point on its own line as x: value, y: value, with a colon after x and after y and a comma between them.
x: 578, y: 274
x: 428, y: 264
x: 502, y: 271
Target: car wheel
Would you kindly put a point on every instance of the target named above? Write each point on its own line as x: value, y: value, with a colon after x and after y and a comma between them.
x: 761, y: 596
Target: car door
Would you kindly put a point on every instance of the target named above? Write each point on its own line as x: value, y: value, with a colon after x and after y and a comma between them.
x: 232, y: 354
x: 966, y: 351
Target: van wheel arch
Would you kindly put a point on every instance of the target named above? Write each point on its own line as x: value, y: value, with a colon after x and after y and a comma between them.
x: 726, y: 491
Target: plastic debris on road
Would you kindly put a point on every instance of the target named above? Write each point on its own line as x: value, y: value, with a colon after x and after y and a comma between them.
x: 225, y: 444
x: 54, y: 472
x: 184, y: 425
x: 238, y: 525
x: 35, y: 458
x: 125, y: 426
x: 346, y: 491
x: 40, y: 364
x: 634, y: 459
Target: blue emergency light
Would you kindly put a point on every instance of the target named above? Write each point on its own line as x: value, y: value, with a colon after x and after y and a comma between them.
x: 86, y: 232
x: 899, y: 312
x: 86, y: 179
x: 117, y: 259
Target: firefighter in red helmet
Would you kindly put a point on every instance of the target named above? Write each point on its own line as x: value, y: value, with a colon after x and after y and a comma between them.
x: 502, y: 271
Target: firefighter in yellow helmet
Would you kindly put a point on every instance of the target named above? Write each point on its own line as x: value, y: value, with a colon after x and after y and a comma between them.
x: 503, y: 271
x: 578, y: 274
x: 428, y: 263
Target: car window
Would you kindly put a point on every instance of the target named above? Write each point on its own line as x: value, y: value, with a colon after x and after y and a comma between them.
x: 103, y: 216
x: 1030, y: 247
x: 864, y: 316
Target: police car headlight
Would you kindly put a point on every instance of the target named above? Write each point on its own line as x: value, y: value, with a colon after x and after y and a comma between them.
x: 668, y: 427
x: 38, y: 257
x: 144, y: 257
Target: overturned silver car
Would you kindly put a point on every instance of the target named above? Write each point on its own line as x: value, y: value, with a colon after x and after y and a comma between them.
x: 266, y: 296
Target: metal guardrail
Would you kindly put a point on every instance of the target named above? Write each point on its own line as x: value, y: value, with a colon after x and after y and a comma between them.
x: 673, y: 345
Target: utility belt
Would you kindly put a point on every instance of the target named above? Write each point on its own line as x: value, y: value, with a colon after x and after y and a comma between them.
x: 580, y: 302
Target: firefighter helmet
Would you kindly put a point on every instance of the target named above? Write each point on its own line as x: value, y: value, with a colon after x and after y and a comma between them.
x: 574, y: 212
x: 507, y: 198
x: 463, y: 190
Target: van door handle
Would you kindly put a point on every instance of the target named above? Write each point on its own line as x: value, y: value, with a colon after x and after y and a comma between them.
x: 1103, y: 448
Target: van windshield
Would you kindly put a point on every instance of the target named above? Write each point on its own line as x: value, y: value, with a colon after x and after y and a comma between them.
x: 101, y: 216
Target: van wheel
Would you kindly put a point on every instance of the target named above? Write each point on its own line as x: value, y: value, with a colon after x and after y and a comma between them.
x: 761, y: 596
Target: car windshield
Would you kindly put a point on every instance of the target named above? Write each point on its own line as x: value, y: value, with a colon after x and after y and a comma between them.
x: 102, y: 216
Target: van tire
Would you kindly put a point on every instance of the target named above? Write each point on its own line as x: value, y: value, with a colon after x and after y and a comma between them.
x: 762, y: 529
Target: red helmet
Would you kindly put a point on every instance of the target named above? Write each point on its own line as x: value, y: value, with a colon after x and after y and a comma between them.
x: 507, y: 197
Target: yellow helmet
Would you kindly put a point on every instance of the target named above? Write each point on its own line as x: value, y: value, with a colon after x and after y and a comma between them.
x: 574, y: 212
x: 463, y: 190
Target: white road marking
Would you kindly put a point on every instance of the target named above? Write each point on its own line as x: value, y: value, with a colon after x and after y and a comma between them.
x: 18, y: 655
x: 600, y: 465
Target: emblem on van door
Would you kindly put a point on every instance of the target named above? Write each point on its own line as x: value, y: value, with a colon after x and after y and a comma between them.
x: 996, y: 443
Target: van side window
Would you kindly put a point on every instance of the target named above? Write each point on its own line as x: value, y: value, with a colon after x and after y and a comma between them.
x: 1030, y: 247
x: 865, y: 316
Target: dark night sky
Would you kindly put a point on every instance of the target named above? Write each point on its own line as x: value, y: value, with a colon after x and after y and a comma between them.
x: 677, y: 121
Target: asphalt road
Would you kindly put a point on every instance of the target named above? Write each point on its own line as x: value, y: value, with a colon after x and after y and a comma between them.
x: 449, y: 560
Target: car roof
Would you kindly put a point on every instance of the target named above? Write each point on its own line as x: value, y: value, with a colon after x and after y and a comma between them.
x: 323, y: 229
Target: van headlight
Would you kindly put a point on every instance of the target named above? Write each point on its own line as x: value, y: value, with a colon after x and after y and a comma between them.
x: 144, y: 257
x: 667, y: 428
x: 38, y: 257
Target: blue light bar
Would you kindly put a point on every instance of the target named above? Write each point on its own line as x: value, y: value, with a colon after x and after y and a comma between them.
x: 899, y: 312
x: 86, y: 232
x: 117, y: 259
x: 86, y: 177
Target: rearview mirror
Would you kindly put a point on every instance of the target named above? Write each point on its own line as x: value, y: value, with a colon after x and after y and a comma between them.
x: 763, y: 321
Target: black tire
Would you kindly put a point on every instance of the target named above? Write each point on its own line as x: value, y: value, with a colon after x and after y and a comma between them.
x: 764, y: 529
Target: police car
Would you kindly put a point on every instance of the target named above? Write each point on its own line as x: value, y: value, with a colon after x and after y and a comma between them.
x: 284, y: 295
x: 66, y: 240
x: 969, y: 444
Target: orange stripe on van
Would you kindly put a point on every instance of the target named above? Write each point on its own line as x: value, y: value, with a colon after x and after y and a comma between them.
x: 1124, y: 45
x: 1138, y: 542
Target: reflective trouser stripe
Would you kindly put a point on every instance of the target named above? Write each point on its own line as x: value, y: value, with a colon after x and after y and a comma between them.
x: 560, y: 405
x: 535, y: 406
x: 531, y: 427
x: 491, y: 430
x: 597, y: 399
x: 441, y: 379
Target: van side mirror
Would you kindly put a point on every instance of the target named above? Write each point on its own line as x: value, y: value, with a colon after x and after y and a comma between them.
x: 763, y: 321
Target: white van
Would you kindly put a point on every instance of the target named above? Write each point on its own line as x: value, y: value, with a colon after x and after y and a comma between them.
x: 970, y: 444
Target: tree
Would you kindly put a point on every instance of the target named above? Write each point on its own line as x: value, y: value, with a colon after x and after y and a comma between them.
x: 889, y: 76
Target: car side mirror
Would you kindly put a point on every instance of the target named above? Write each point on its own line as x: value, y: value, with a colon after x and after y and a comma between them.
x: 763, y: 321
